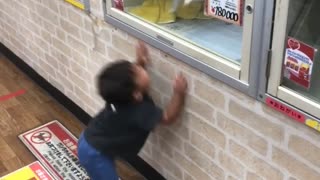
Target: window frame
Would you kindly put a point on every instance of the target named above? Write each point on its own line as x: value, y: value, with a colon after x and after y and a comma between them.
x: 243, y: 77
x: 274, y: 86
x: 271, y: 72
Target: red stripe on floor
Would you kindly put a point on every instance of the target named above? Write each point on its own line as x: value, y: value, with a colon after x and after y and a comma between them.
x: 12, y: 95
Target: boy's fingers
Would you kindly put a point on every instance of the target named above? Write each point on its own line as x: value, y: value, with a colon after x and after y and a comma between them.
x: 141, y: 45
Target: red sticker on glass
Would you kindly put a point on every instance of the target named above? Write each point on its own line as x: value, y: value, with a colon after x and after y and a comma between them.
x: 118, y: 4
x: 298, y: 62
x: 285, y: 109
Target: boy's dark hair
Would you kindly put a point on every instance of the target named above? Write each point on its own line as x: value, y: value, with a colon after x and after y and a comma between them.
x: 116, y: 82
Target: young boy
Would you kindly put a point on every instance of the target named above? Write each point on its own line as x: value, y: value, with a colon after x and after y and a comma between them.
x: 122, y: 127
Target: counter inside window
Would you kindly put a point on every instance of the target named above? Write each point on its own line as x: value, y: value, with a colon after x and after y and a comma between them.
x: 192, y: 22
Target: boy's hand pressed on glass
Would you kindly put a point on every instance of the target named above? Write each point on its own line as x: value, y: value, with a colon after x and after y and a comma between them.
x: 142, y: 54
x: 180, y: 86
x: 176, y: 103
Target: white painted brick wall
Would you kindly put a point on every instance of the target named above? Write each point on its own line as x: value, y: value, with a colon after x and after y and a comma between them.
x: 223, y: 134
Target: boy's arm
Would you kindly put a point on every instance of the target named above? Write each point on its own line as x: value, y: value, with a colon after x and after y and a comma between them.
x: 176, y: 103
x: 173, y: 109
x: 142, y: 55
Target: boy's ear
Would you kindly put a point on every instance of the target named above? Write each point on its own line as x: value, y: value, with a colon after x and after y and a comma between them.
x: 137, y: 96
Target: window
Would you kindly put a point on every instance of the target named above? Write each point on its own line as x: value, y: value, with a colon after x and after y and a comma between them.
x: 238, y: 52
x: 220, y: 37
x: 295, y: 69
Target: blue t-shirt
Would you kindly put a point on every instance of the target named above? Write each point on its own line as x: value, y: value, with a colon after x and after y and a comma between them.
x: 122, y: 133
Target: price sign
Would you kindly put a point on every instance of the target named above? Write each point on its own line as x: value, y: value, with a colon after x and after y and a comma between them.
x: 230, y: 11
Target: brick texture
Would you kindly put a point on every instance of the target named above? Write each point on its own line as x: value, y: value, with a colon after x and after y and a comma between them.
x: 203, y: 161
x: 201, y: 108
x: 187, y: 177
x: 213, y: 134
x: 167, y: 162
x: 305, y: 149
x: 258, y: 165
x: 295, y: 167
x: 222, y: 134
x: 242, y: 134
x: 232, y: 165
x: 253, y: 176
x: 267, y: 128
x: 203, y: 144
x: 190, y: 167
x: 211, y: 95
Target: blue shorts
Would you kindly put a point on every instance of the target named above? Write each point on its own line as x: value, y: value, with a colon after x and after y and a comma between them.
x: 98, y: 166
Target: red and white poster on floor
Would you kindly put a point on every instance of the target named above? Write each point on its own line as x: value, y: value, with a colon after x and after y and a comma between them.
x: 230, y: 11
x: 56, y: 148
x: 33, y: 171
x: 298, y: 62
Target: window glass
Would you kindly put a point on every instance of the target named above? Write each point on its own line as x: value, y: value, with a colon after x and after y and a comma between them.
x: 302, y: 58
x: 213, y: 25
